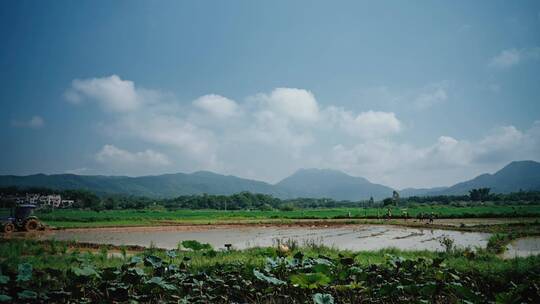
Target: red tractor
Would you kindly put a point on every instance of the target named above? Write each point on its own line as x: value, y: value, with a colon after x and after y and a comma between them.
x: 20, y: 218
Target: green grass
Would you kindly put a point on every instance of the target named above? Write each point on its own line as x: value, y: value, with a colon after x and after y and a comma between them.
x: 62, y: 255
x: 87, y: 218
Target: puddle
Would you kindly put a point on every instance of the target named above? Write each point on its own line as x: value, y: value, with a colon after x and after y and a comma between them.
x: 523, y: 247
x: 358, y: 237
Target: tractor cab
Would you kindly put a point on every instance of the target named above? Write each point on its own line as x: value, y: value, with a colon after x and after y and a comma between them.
x: 23, y: 211
x: 19, y: 217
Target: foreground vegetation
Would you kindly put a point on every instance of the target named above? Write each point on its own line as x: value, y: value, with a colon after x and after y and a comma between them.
x: 51, y: 271
x: 147, y: 217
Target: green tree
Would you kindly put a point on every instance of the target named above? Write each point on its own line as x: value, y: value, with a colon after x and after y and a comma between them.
x: 110, y: 203
x: 388, y: 202
x: 479, y: 195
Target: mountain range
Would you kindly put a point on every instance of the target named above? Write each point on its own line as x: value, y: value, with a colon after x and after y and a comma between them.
x: 315, y: 183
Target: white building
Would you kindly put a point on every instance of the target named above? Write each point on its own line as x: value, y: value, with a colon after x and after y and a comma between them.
x: 52, y: 200
x: 66, y: 203
x: 32, y: 198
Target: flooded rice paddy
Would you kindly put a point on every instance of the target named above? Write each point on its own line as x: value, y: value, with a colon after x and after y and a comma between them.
x: 523, y: 247
x: 352, y: 237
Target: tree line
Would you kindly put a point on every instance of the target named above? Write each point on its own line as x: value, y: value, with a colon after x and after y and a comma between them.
x: 85, y: 199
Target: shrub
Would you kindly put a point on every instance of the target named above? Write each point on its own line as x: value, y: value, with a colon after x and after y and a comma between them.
x: 447, y: 243
x: 195, y: 245
x: 497, y: 243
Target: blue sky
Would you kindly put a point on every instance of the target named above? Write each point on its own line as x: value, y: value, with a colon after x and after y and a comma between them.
x: 406, y: 95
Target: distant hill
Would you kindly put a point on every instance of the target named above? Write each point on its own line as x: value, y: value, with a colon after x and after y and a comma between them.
x: 304, y: 183
x: 332, y: 184
x: 407, y: 192
x: 166, y: 185
x: 315, y: 183
x: 516, y: 176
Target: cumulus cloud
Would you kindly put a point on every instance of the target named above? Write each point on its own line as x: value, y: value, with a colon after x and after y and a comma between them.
x: 296, y: 104
x: 169, y: 130
x: 292, y: 118
x: 369, y: 124
x: 216, y: 105
x: 444, y: 162
x: 35, y: 122
x: 447, y: 152
x: 112, y: 93
x: 373, y: 124
x: 212, y: 130
x: 272, y: 129
x: 372, y: 158
x: 150, y: 116
x: 110, y: 154
x: 512, y: 57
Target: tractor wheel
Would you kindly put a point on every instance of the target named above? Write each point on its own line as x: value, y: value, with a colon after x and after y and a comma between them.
x: 31, y: 225
x: 8, y: 228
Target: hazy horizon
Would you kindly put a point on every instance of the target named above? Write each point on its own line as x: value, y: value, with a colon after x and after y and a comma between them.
x: 405, y: 96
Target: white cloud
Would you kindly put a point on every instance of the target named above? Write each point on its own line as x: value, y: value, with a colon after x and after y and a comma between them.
x: 209, y: 132
x: 296, y: 104
x: 35, y: 122
x: 272, y: 129
x: 369, y: 124
x: 445, y: 162
x: 375, y: 124
x: 282, y: 118
x: 112, y: 93
x: 373, y: 158
x: 447, y: 152
x: 150, y: 116
x: 512, y: 57
x: 216, y: 105
x: 110, y: 154
x: 502, y: 137
x: 169, y: 130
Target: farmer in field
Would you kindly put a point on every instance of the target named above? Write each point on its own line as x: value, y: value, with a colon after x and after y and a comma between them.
x: 388, y: 213
x: 405, y: 214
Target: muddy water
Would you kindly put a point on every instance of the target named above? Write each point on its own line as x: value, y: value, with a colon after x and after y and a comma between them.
x: 523, y: 247
x: 357, y: 237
